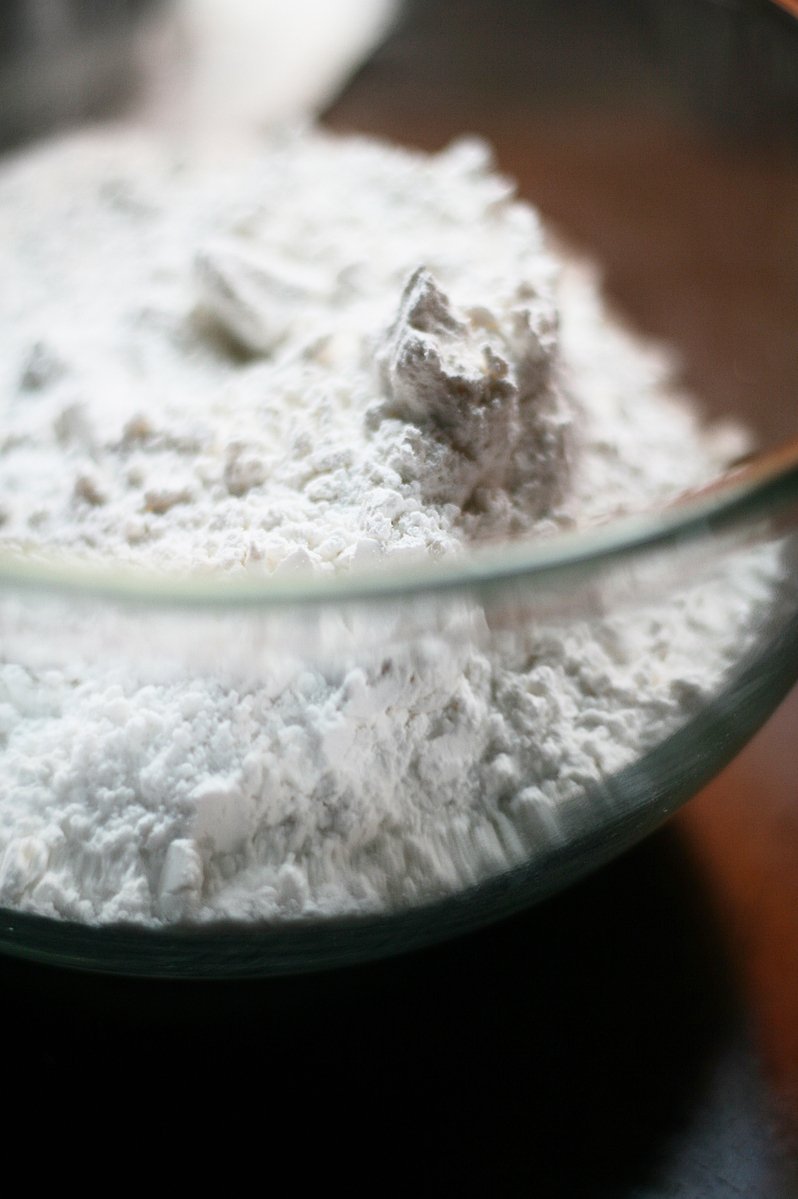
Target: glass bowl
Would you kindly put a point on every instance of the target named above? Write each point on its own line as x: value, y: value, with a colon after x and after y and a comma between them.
x: 725, y: 561
x: 507, y: 603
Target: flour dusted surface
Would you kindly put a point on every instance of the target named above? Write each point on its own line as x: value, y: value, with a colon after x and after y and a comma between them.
x: 321, y: 354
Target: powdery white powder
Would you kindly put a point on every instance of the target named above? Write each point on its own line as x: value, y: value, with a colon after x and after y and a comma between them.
x: 320, y: 354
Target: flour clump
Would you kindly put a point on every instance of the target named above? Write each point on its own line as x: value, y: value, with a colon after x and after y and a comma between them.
x: 320, y: 356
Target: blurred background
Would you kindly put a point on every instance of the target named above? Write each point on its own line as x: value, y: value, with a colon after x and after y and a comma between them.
x: 639, y: 1035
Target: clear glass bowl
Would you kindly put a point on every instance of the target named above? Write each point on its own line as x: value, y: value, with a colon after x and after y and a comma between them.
x: 503, y: 602
x: 734, y: 553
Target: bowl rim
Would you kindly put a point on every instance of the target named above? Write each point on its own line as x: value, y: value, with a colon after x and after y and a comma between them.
x: 543, y: 563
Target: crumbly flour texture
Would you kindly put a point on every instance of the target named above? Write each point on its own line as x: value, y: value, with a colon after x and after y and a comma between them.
x: 314, y: 355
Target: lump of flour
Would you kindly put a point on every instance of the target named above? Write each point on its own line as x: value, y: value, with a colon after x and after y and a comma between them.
x: 329, y: 352
x: 320, y: 355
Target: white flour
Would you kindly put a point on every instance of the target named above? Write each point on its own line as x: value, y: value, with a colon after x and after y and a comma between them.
x: 321, y: 354
x: 246, y: 63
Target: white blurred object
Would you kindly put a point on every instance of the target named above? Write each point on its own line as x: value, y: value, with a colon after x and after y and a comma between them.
x: 243, y: 62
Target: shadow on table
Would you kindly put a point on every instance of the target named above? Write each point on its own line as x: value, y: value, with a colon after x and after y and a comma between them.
x: 590, y: 1047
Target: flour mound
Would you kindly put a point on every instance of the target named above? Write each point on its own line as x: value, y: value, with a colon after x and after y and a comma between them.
x: 319, y: 355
